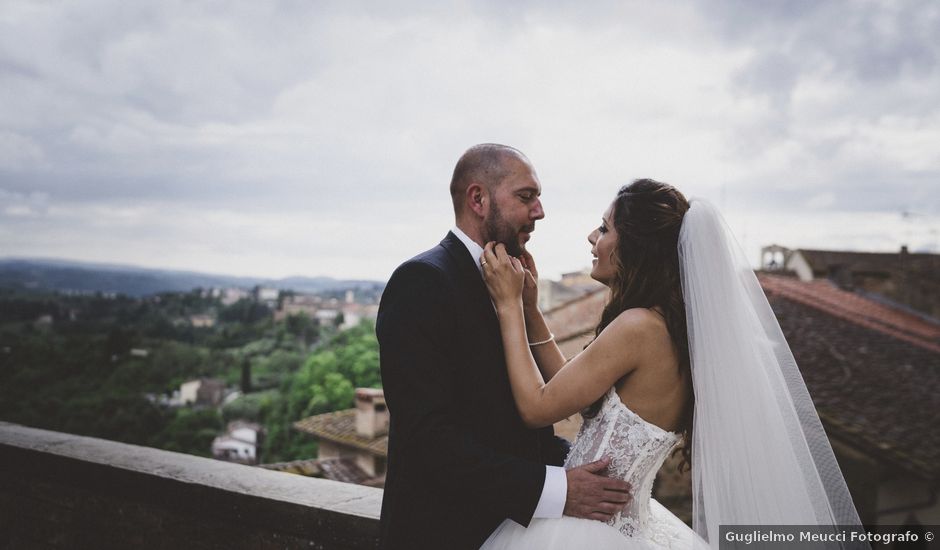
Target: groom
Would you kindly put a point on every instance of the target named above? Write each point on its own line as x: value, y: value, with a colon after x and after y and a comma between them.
x: 460, y: 460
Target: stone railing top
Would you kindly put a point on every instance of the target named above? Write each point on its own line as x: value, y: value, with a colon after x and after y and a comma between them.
x: 343, y: 498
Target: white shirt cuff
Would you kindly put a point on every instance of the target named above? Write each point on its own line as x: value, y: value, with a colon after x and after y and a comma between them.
x: 554, y: 492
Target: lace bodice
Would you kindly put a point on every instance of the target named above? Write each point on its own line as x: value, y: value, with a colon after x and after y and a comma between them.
x: 636, y: 448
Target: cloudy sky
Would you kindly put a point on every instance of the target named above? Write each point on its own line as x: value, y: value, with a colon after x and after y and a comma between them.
x: 301, y: 137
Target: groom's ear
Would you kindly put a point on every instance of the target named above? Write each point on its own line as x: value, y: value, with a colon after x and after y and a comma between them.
x: 477, y: 198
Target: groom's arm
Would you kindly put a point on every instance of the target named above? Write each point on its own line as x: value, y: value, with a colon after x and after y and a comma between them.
x: 554, y: 449
x: 416, y: 333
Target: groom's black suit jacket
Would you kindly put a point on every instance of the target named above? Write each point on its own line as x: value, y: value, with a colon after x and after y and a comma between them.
x: 460, y: 460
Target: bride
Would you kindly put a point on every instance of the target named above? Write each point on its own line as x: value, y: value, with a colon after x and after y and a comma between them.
x: 687, y: 355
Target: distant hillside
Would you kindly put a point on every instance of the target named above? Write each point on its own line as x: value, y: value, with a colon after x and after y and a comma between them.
x: 69, y: 276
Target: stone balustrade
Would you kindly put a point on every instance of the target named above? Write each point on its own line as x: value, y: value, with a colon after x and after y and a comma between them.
x: 60, y: 490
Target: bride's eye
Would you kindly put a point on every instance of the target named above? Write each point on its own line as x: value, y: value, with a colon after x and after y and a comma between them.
x: 602, y: 229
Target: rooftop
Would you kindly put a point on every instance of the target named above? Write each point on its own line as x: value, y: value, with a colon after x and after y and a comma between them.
x: 872, y: 261
x: 309, y: 467
x: 340, y: 427
x: 345, y: 469
x: 342, y: 469
x: 872, y: 370
x: 577, y: 317
x: 825, y: 296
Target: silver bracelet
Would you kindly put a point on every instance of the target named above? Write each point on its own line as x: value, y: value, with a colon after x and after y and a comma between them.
x: 550, y: 338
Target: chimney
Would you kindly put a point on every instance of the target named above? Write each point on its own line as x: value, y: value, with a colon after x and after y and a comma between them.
x: 371, y: 413
x: 905, y: 289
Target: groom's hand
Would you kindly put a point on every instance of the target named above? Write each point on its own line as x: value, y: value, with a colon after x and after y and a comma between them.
x: 592, y: 495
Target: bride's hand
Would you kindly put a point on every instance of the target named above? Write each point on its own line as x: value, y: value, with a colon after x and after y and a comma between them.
x: 530, y: 292
x: 504, y: 275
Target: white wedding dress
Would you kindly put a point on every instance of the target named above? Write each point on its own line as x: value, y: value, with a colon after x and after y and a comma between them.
x: 637, y: 449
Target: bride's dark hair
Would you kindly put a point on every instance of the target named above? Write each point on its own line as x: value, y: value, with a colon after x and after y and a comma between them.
x: 647, y: 216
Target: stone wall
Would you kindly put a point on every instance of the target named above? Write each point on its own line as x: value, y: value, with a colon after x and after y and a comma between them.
x: 66, y: 491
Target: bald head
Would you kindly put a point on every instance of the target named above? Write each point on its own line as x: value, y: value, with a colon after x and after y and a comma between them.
x: 486, y: 164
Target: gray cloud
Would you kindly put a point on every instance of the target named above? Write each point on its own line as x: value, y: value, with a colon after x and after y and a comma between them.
x: 865, y: 42
x: 189, y: 131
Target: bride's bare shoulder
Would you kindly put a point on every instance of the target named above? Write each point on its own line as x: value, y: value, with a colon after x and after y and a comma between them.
x: 638, y: 318
x: 635, y: 327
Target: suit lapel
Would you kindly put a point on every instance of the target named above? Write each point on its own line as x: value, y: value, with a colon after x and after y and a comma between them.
x: 470, y: 279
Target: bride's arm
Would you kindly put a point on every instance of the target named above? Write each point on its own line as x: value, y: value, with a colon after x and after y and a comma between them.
x: 578, y: 383
x: 547, y: 354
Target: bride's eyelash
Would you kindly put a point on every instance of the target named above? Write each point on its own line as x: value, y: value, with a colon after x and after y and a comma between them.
x: 602, y: 228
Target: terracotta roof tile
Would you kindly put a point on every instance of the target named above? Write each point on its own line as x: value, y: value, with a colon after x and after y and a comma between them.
x: 873, y: 389
x: 340, y: 427
x: 825, y: 296
x: 307, y: 467
x: 343, y: 469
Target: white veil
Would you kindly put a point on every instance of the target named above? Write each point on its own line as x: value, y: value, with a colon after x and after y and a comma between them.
x: 759, y: 452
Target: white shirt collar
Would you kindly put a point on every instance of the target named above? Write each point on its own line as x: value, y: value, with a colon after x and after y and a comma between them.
x: 476, y: 251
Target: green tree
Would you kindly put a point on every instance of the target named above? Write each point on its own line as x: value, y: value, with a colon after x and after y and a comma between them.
x: 190, y: 431
x: 255, y: 407
x: 303, y: 328
x: 326, y: 382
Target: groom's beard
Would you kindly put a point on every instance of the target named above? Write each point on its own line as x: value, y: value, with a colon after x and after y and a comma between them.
x: 499, y: 230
